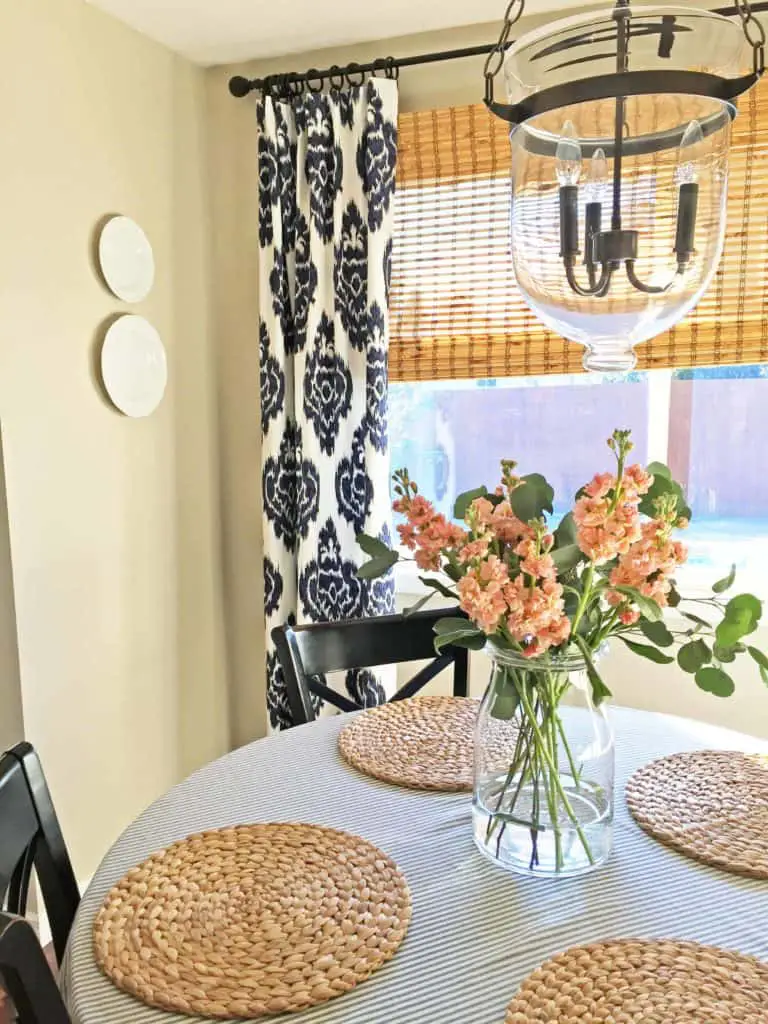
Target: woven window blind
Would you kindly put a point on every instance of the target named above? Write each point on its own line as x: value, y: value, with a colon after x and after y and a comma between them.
x: 455, y: 309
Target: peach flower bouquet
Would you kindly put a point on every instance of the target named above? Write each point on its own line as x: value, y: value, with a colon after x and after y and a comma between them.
x: 544, y: 602
x: 607, y: 571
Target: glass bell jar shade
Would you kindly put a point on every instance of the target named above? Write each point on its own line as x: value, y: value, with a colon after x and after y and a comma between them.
x: 619, y: 203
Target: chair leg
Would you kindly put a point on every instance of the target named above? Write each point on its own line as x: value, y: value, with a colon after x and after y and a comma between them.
x: 461, y: 673
x: 27, y: 977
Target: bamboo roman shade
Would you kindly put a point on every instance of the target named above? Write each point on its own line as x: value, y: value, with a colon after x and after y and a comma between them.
x: 455, y: 309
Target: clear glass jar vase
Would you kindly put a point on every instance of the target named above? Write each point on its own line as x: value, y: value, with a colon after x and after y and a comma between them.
x: 544, y: 767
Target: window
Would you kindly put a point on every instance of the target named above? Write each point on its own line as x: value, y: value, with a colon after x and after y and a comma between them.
x: 455, y: 310
x: 476, y: 377
x: 709, y: 425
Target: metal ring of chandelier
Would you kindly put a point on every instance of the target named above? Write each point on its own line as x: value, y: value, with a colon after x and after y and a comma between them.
x: 606, y: 252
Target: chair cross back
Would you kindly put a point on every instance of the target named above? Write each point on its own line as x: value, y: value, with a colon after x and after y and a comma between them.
x: 30, y: 836
x: 307, y: 653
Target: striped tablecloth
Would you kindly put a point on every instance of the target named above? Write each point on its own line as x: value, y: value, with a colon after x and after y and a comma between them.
x: 476, y: 931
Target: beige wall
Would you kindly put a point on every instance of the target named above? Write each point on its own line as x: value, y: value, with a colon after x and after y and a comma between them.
x: 11, y: 718
x: 113, y: 522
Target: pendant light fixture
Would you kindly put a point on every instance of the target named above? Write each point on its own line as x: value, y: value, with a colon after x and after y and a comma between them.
x: 620, y: 132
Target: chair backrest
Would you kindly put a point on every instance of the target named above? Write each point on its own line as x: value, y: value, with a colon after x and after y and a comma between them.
x: 27, y: 976
x: 30, y: 836
x: 306, y: 653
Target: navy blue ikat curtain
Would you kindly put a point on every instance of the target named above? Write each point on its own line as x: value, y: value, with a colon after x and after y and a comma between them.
x: 326, y: 187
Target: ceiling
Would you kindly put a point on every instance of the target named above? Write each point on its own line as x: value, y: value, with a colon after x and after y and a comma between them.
x: 226, y: 31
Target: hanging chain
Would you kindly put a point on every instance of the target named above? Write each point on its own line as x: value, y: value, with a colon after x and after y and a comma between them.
x: 495, y: 59
x: 754, y: 33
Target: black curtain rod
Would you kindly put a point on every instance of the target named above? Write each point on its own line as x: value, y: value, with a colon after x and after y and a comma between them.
x: 240, y: 86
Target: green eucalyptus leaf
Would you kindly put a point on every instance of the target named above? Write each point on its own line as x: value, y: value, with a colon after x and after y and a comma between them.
x: 504, y: 702
x: 533, y: 498
x: 453, y: 569
x: 567, y: 557
x: 757, y: 655
x: 663, y: 484
x: 473, y: 639
x: 732, y: 629
x: 419, y: 604
x: 372, y: 545
x: 697, y: 619
x: 457, y: 632
x: 657, y: 633
x: 715, y: 680
x: 746, y: 602
x: 600, y: 691
x: 725, y: 655
x: 378, y: 566
x: 465, y: 499
x: 452, y: 624
x: 693, y: 656
x: 647, y: 607
x: 565, y: 534
x: 762, y: 662
x: 438, y: 586
x: 651, y: 653
x: 741, y: 617
x: 725, y: 584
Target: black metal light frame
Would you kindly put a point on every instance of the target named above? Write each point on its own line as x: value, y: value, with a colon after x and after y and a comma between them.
x: 605, y: 251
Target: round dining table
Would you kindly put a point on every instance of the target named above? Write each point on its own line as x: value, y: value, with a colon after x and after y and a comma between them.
x: 477, y: 931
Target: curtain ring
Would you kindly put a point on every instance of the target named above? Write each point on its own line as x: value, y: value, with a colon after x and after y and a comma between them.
x: 378, y: 65
x: 392, y: 70
x: 336, y: 77
x: 296, y: 86
x: 283, y: 88
x: 352, y: 70
x: 313, y: 74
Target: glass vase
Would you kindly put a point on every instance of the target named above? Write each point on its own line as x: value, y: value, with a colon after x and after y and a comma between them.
x: 544, y: 767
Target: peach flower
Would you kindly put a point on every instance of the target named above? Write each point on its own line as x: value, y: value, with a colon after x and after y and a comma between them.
x: 650, y: 563
x: 481, y: 593
x: 536, y: 618
x: 426, y: 531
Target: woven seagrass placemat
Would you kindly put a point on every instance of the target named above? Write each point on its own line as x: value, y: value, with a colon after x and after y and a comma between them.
x: 711, y: 805
x: 643, y: 982
x: 252, y: 920
x: 420, y: 742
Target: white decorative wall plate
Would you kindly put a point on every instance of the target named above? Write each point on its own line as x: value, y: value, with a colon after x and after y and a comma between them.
x: 133, y: 366
x: 126, y: 259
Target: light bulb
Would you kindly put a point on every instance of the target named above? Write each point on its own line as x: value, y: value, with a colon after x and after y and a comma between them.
x: 598, y: 176
x: 689, y: 155
x: 568, y: 156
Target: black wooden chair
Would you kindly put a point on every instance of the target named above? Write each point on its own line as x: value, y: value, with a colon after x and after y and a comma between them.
x: 27, y: 978
x: 306, y: 653
x: 30, y: 836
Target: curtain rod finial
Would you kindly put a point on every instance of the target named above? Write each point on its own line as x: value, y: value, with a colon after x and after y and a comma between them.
x: 240, y: 86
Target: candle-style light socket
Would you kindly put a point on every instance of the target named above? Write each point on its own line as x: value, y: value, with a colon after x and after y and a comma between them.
x: 593, y: 223
x: 569, y: 221
x: 687, y: 206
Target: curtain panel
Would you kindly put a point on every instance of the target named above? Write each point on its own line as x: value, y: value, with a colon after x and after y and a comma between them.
x: 326, y: 166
